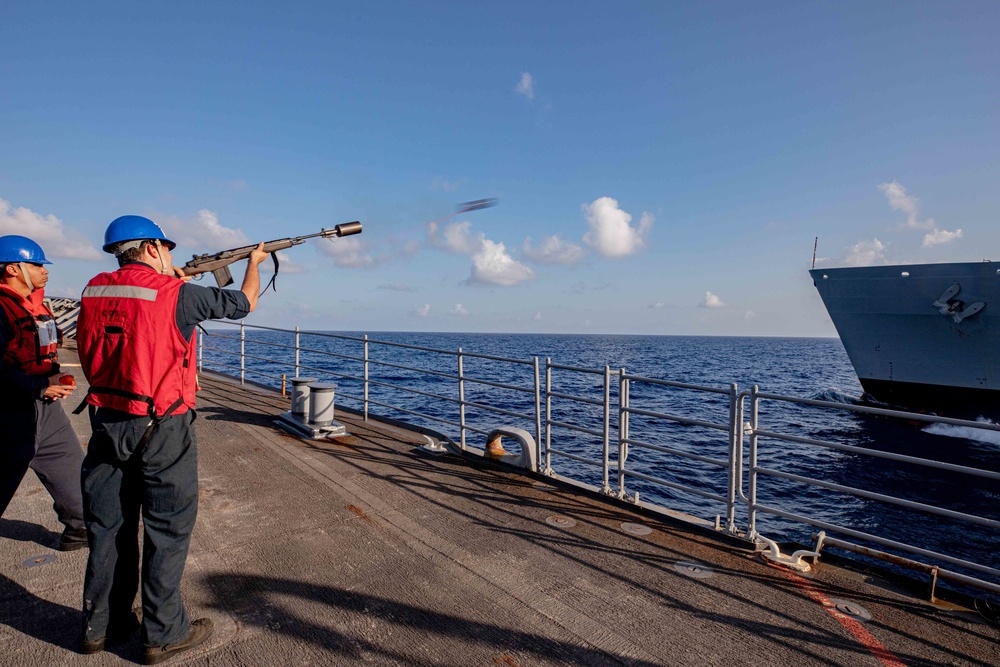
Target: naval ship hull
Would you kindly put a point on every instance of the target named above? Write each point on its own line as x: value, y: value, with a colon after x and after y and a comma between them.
x: 924, y: 337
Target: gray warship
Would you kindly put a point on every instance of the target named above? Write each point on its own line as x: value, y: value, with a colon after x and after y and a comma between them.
x: 920, y: 336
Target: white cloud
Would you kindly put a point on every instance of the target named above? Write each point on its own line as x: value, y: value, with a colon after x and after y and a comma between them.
x: 538, y: 316
x: 48, y: 231
x: 658, y: 304
x: 553, y: 250
x: 410, y: 248
x: 939, y: 236
x: 526, y: 86
x: 203, y: 233
x: 899, y: 200
x: 458, y: 310
x: 349, y: 252
x: 491, y: 263
x: 362, y: 252
x: 865, y: 253
x: 456, y: 237
x: 711, y: 301
x: 422, y: 311
x: 749, y: 315
x: 610, y: 232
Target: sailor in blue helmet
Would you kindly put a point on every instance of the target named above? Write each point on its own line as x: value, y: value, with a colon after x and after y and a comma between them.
x: 37, y: 433
x: 136, y: 336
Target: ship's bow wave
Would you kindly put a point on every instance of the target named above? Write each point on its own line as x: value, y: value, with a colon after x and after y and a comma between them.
x: 967, y: 432
x: 835, y: 396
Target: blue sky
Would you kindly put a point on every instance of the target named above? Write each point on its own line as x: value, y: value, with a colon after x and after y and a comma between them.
x: 660, y: 168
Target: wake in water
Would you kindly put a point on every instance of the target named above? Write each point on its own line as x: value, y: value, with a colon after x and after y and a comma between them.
x: 835, y: 396
x: 985, y: 436
x: 966, y: 432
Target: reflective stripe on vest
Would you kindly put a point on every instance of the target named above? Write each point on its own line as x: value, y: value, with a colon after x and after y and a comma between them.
x: 120, y: 291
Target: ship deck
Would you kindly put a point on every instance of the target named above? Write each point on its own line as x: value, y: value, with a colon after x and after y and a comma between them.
x: 366, y: 549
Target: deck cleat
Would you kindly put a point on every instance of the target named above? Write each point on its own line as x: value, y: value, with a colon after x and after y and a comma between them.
x: 793, y: 561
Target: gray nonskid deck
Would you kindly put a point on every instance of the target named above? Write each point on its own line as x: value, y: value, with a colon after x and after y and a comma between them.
x: 366, y: 550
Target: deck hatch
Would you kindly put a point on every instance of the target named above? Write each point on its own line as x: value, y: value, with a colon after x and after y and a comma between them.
x: 852, y: 609
x: 694, y: 570
x: 636, y: 529
x: 560, y: 521
x: 35, y: 561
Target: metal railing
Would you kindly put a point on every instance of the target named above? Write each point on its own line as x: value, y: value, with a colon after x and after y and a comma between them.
x: 729, y: 464
x: 368, y: 381
x: 603, y: 433
x: 704, y: 450
x: 757, y: 472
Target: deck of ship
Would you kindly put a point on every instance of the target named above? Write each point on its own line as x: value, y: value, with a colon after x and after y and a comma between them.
x: 365, y: 549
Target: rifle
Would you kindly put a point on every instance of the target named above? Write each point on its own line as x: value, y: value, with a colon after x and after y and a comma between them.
x: 218, y: 263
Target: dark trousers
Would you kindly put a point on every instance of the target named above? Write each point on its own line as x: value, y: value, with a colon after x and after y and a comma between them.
x: 120, y: 480
x: 40, y: 437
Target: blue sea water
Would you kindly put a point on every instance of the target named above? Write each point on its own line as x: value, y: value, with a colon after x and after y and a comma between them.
x: 802, y: 367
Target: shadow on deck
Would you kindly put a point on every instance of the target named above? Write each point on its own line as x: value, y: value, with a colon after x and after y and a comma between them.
x: 367, y: 549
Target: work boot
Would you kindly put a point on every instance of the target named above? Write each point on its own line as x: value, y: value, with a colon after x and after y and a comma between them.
x: 201, y: 630
x: 116, y: 634
x: 73, y: 539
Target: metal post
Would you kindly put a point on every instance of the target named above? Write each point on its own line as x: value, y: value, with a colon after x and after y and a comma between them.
x: 752, y: 481
x: 201, y: 350
x: 538, y: 413
x: 606, y: 431
x: 366, y: 377
x: 461, y: 399
x: 243, y: 351
x: 733, y: 461
x: 297, y: 373
x: 740, y: 439
x: 548, y: 415
x: 623, y: 405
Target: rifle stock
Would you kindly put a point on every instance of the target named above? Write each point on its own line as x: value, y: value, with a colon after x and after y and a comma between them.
x: 218, y: 263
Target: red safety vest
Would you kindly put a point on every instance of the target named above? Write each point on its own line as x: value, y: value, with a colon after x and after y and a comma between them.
x: 134, y: 356
x: 34, y: 337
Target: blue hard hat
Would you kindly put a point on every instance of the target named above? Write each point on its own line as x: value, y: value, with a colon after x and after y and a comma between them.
x: 15, y: 248
x: 133, y: 228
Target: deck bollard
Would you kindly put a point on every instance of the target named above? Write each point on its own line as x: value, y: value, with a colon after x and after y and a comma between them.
x: 300, y: 396
x: 494, y: 447
x: 321, y: 404
x: 311, y: 414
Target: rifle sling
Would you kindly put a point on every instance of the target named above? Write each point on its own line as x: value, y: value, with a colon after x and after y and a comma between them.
x: 274, y: 256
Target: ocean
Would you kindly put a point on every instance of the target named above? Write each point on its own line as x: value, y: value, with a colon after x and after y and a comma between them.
x: 814, y: 368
